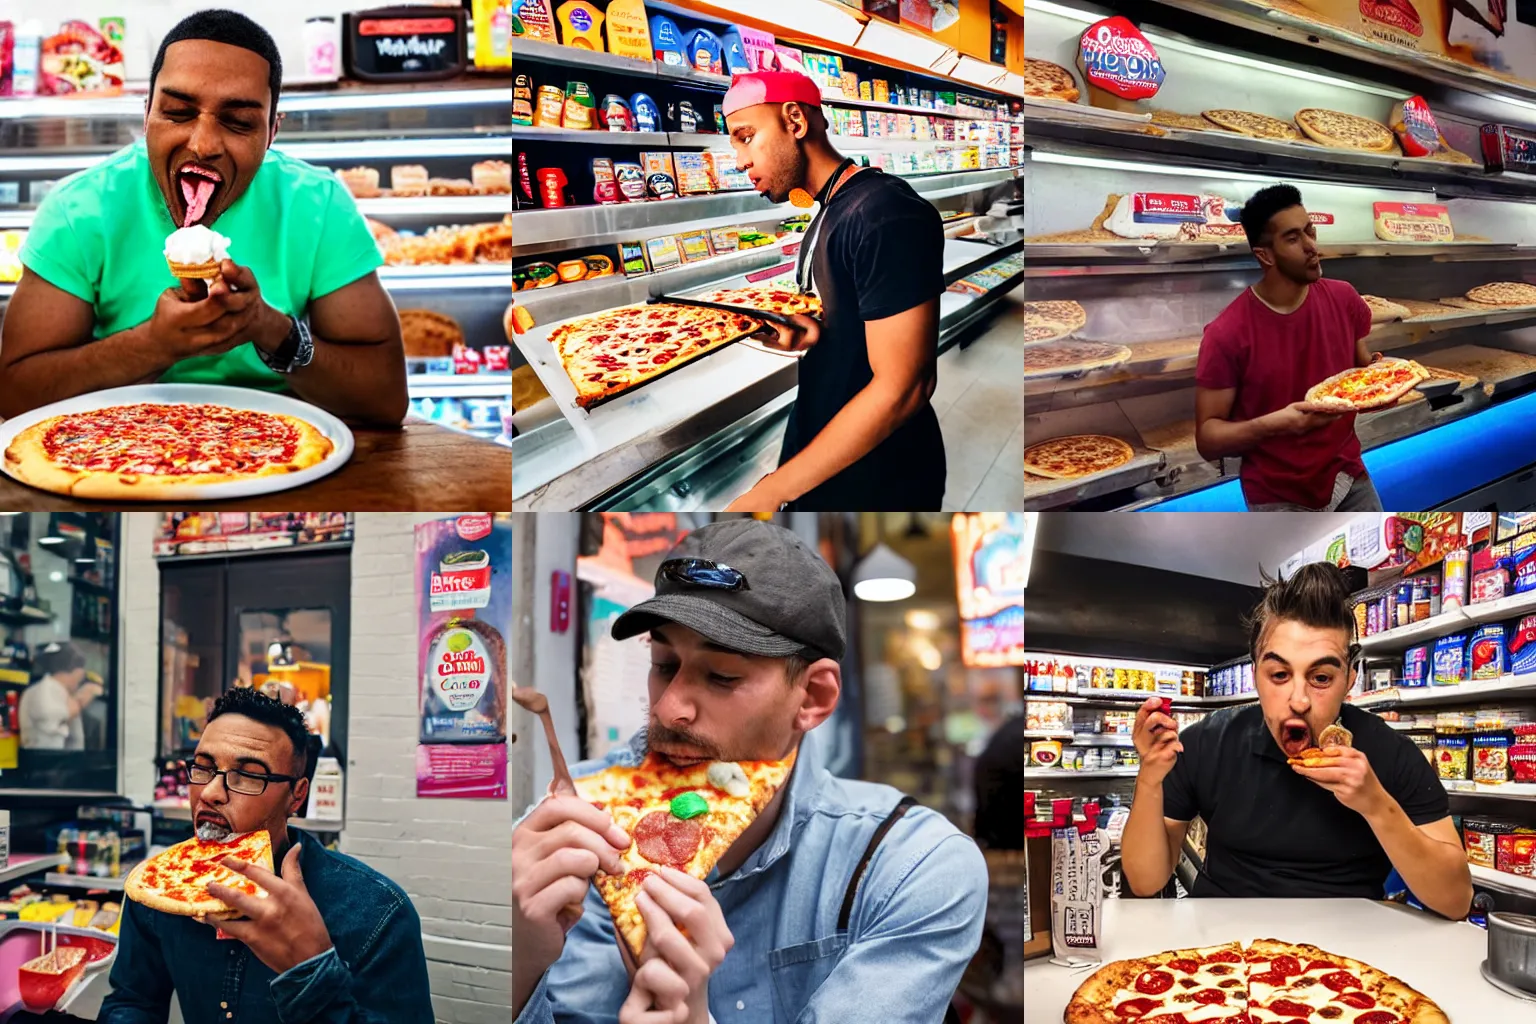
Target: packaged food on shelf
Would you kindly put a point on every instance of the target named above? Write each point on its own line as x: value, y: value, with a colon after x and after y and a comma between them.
x: 629, y: 34
x: 1522, y: 761
x: 1451, y: 755
x: 1485, y: 652
x: 1450, y: 660
x: 1480, y: 836
x: 1047, y: 716
x: 581, y: 25
x: 1490, y: 757
x: 1515, y: 852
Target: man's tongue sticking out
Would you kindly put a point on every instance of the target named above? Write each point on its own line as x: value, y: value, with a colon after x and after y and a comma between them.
x: 197, y: 190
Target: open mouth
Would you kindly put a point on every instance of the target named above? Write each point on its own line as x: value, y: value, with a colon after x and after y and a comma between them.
x: 197, y: 185
x: 1295, y: 736
x: 683, y: 760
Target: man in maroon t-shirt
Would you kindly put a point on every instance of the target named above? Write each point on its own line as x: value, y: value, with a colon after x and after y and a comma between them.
x: 1258, y: 358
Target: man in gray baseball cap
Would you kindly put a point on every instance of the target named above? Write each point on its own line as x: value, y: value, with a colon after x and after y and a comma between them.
x: 842, y: 901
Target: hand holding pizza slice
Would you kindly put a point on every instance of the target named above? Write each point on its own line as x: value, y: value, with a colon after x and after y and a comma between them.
x: 1376, y: 386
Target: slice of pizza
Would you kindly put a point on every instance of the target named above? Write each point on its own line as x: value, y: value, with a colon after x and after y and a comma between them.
x: 684, y: 817
x: 1207, y: 985
x: 1290, y: 981
x: 176, y: 879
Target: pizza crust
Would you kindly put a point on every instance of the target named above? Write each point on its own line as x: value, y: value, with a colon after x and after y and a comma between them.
x: 1108, y: 453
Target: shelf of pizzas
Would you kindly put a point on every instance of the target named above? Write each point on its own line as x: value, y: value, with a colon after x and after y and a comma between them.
x: 1106, y: 84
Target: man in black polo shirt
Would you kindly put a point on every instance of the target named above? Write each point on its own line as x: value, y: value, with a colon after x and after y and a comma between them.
x: 861, y: 434
x: 1275, y: 830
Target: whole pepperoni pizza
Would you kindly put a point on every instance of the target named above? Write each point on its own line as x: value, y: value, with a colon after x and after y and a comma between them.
x: 154, y: 451
x: 619, y: 349
x: 1268, y: 982
x: 175, y: 881
x: 679, y: 816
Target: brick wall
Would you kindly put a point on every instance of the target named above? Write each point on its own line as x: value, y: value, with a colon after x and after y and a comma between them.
x: 452, y: 856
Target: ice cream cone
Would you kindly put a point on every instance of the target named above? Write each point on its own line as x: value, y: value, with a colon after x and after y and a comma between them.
x: 204, y: 271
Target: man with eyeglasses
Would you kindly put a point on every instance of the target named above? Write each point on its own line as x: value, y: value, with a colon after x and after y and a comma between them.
x: 843, y: 901
x: 334, y: 941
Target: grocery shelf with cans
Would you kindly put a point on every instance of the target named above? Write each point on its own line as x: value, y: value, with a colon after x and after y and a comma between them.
x: 703, y: 432
x: 1462, y: 439
x: 367, y: 131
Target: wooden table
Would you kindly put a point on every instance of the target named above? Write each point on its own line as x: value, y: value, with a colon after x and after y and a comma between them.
x: 421, y: 467
x: 1438, y: 957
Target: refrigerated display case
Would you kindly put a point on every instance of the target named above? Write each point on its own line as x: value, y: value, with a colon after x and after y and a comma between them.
x: 444, y: 127
x: 1462, y: 440
x: 703, y: 433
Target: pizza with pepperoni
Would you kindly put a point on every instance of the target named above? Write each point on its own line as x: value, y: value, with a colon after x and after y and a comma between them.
x: 679, y: 816
x: 1268, y: 982
x: 175, y: 881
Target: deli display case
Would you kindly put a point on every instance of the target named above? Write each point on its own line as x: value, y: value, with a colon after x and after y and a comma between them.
x: 445, y: 250
x: 703, y: 433
x: 1130, y: 212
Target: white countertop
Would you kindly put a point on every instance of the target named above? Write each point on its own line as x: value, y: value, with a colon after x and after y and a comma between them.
x: 1439, y: 958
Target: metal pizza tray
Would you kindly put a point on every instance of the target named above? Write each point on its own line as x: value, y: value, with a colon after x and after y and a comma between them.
x: 1040, y: 493
x: 747, y: 311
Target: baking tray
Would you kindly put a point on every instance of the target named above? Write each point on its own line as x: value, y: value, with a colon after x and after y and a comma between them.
x: 1502, y: 371
x: 336, y: 431
x: 1041, y: 493
x: 756, y: 314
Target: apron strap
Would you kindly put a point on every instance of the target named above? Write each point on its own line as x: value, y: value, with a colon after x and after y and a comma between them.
x: 813, y: 232
x: 869, y: 852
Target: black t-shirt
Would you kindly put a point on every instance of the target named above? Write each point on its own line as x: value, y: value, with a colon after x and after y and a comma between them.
x: 880, y: 253
x: 1272, y: 832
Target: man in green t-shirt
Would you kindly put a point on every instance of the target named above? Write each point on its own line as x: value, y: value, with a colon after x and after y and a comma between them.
x: 297, y: 306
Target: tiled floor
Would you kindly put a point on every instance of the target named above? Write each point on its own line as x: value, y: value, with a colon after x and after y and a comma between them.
x: 980, y: 402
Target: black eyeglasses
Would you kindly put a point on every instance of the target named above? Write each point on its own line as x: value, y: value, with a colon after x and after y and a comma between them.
x: 247, y: 783
x: 702, y: 572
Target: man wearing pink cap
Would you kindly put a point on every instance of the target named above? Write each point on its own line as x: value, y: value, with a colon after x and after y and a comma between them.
x: 861, y: 434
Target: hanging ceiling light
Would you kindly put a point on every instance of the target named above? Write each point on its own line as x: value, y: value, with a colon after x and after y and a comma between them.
x: 883, y: 575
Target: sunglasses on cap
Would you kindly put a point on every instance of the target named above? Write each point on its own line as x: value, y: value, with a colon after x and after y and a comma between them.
x: 703, y: 572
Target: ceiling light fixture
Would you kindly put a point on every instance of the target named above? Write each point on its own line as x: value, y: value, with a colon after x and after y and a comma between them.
x: 883, y: 575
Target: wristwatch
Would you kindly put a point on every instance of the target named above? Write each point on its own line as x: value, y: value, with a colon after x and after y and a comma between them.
x: 296, y: 351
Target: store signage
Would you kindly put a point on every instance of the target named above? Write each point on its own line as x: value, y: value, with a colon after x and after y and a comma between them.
x: 1413, y: 222
x: 405, y: 44
x: 1506, y: 148
x: 1389, y: 17
x: 989, y: 558
x: 1319, y: 218
x: 205, y: 533
x: 464, y: 609
x: 1114, y: 56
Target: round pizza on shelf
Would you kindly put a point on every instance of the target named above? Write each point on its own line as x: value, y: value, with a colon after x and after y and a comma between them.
x: 1078, y: 455
x: 680, y: 816
x: 610, y: 352
x: 1267, y: 982
x: 1187, y: 122
x: 1503, y: 293
x: 149, y: 451
x: 1047, y: 81
x: 1048, y: 321
x: 1345, y: 131
x: 1064, y: 358
x: 1383, y: 310
x: 1258, y: 126
x: 1367, y: 387
x: 175, y: 880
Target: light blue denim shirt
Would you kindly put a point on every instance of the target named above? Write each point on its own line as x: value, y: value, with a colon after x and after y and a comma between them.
x: 916, y: 919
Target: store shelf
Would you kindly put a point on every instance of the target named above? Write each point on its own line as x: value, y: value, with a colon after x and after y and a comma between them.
x: 1506, y: 790
x: 378, y: 149
x: 355, y: 96
x: 1503, y: 608
x: 447, y: 207
x: 1152, y: 256
x: 1046, y: 734
x: 174, y: 812
x: 572, y: 57
x: 458, y: 385
x: 591, y: 136
x: 1505, y: 880
x: 90, y: 881
x: 1403, y: 637
x: 963, y: 257
x: 1138, y: 696
x: 23, y: 864
x: 1102, y: 739
x: 1504, y: 686
x: 1039, y: 775
x: 577, y: 227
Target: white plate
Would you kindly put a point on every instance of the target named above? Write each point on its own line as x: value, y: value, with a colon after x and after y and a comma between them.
x: 214, y: 394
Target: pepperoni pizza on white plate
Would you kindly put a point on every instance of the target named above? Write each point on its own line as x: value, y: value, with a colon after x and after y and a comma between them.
x: 679, y: 816
x: 1269, y: 982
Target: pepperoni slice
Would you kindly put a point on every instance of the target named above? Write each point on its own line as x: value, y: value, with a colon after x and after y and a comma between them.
x: 663, y: 839
x: 1340, y: 980
x: 1313, y: 965
x: 1220, y: 969
x: 1154, y: 983
x: 1290, y: 1006
x: 1359, y: 1000
x: 1137, y: 1007
x: 1378, y: 1017
x: 1225, y: 956
x: 1209, y: 995
x: 1187, y: 966
x: 1272, y: 979
x: 1285, y: 966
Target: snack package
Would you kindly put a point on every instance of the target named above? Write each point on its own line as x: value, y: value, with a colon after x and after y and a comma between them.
x: 631, y: 180
x: 79, y: 60
x: 580, y: 110
x: 1490, y: 757
x: 550, y: 107
x: 647, y: 114
x: 1077, y: 900
x: 616, y: 115
x: 1516, y: 853
x: 531, y: 19
x: 1454, y: 591
x: 1451, y: 755
x: 1415, y: 127
x: 1449, y: 660
x: 605, y: 187
x: 522, y: 100
x: 1485, y: 653
x: 7, y: 56
x: 667, y: 40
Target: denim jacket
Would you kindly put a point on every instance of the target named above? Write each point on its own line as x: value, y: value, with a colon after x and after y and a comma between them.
x: 376, y: 972
x: 916, y: 919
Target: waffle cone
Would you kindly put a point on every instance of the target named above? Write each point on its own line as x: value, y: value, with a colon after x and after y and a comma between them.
x: 204, y: 271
